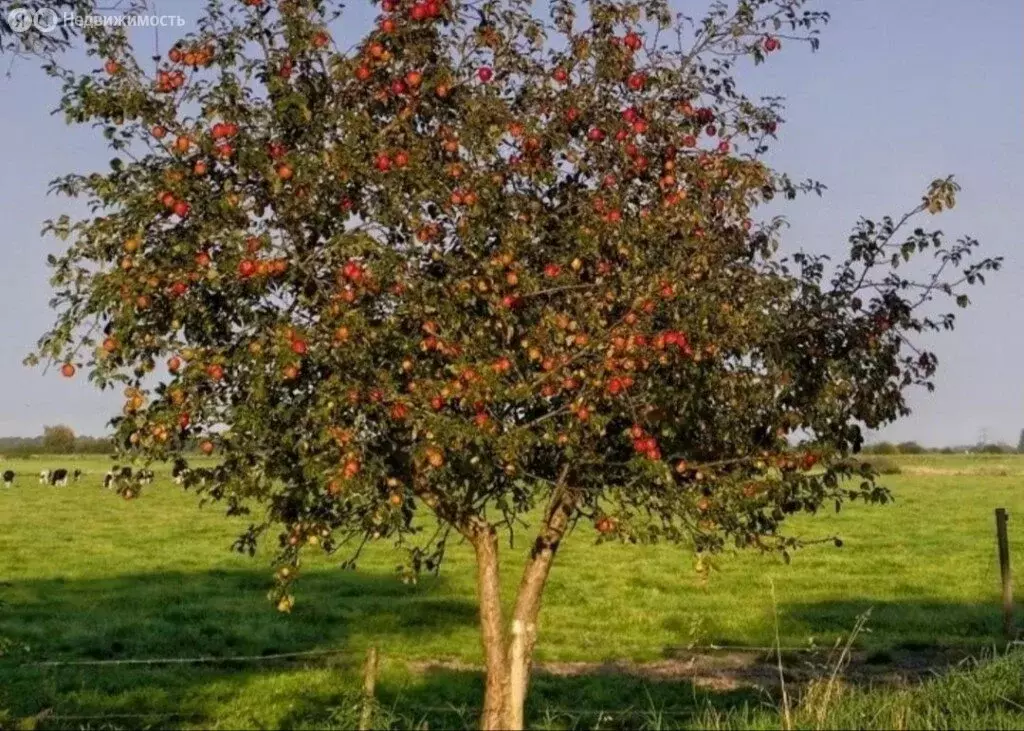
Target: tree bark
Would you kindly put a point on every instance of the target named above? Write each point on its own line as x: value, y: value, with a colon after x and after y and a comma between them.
x: 508, y: 662
x: 528, y: 600
x: 494, y: 716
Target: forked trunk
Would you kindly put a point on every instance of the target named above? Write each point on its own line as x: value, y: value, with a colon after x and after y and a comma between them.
x: 508, y: 664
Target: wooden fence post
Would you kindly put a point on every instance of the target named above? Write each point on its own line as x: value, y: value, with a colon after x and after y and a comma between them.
x: 1005, y: 573
x: 369, y: 690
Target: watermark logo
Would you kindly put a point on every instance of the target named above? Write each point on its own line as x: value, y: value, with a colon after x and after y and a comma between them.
x: 21, y: 20
x: 46, y: 20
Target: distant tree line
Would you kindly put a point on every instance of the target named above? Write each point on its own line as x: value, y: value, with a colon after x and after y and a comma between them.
x: 58, y: 439
x: 916, y: 448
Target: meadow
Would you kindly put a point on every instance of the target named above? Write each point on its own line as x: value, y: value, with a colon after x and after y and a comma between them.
x: 630, y: 636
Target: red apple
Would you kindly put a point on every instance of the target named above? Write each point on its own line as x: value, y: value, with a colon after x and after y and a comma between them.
x: 246, y: 268
x: 636, y: 81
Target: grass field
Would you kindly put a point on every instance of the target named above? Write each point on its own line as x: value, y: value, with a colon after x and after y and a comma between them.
x: 85, y: 575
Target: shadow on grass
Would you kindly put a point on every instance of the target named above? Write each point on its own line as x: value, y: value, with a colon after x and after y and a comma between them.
x: 220, y: 614
x: 216, y: 613
x: 916, y: 639
x: 451, y: 699
x: 911, y: 624
x: 905, y: 625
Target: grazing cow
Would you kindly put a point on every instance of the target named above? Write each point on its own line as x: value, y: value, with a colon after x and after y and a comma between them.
x: 44, y: 477
x: 59, y: 478
x: 8, y: 478
x: 120, y: 475
x: 116, y: 474
x: 180, y: 471
x: 76, y: 475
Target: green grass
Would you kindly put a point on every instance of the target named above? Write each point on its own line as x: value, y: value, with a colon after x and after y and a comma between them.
x: 86, y: 575
x: 986, y: 695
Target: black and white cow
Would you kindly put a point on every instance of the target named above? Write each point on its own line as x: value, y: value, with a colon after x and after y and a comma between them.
x: 58, y: 477
x: 76, y: 475
x: 8, y: 478
x: 117, y: 475
x: 179, y: 471
x: 112, y: 476
x: 44, y: 477
x: 144, y: 477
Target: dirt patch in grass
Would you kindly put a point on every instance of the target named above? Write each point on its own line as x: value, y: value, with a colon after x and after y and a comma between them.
x: 732, y: 670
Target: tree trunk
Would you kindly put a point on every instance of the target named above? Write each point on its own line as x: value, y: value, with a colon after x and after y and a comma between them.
x: 494, y: 716
x: 527, y: 610
x: 508, y: 664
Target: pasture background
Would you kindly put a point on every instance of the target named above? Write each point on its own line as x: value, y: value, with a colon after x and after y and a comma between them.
x: 87, y: 575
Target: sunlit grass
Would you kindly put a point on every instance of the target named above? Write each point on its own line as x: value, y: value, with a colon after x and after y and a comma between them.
x: 86, y: 575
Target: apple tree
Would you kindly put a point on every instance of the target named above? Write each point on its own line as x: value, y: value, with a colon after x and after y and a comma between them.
x: 491, y: 263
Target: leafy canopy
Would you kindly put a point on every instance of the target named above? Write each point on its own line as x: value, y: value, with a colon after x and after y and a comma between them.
x: 488, y: 251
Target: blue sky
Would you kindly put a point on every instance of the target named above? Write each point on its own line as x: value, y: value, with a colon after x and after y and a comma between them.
x: 901, y: 92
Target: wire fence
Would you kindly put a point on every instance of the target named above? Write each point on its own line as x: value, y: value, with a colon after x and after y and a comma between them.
x: 364, y: 703
x: 213, y: 659
x: 343, y: 652
x: 349, y: 704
